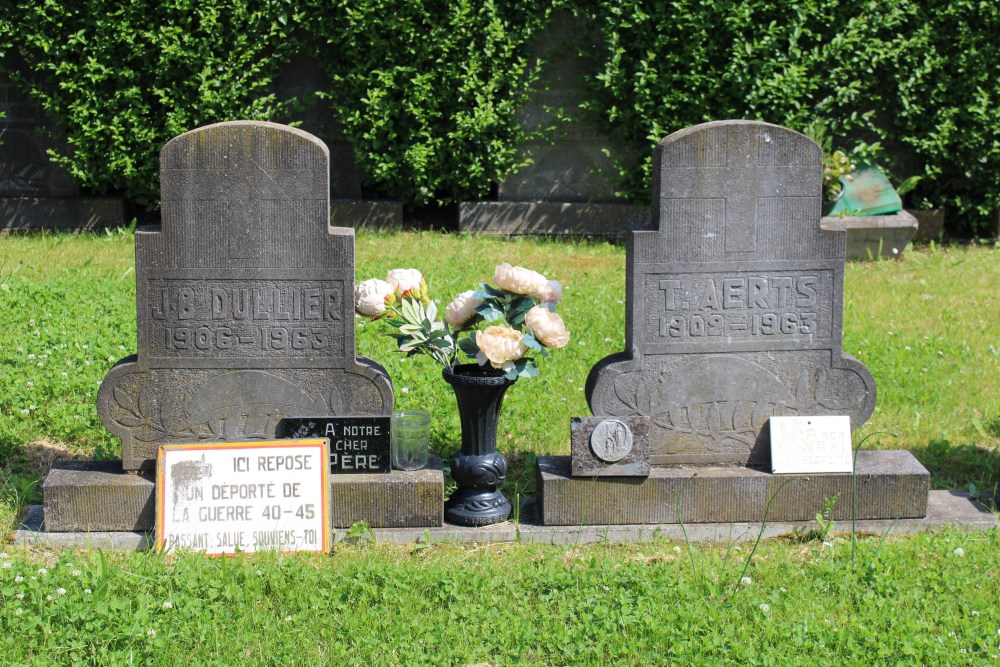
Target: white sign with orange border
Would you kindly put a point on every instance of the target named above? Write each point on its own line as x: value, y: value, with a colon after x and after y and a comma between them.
x: 237, y: 497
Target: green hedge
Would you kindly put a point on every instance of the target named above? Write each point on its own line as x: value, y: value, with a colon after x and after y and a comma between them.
x: 124, y: 77
x: 427, y: 91
x: 913, y: 84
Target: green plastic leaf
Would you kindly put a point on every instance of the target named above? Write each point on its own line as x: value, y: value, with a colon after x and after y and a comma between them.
x: 529, y: 369
x: 530, y: 341
x: 468, y: 345
x: 489, y: 313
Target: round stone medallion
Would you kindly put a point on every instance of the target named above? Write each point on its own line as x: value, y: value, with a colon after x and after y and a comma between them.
x: 611, y: 440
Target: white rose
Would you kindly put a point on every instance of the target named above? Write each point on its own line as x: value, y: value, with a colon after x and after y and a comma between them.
x: 404, y: 280
x: 501, y: 346
x: 369, y: 297
x: 547, y: 327
x: 552, y: 292
x: 519, y: 280
x: 462, y: 310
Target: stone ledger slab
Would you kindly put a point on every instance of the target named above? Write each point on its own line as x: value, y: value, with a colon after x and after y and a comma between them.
x: 945, y: 509
x: 874, y: 236
x: 397, y: 500
x: 891, y: 485
x: 366, y: 214
x: 19, y: 214
x: 96, y: 496
x: 513, y: 218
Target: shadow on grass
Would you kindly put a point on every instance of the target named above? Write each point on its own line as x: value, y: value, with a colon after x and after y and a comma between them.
x: 958, y: 466
x: 23, y: 468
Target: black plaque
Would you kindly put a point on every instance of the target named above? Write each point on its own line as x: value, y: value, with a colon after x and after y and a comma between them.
x: 357, y: 444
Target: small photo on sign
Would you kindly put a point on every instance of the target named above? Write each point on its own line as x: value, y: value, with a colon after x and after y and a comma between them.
x: 357, y: 444
x: 811, y: 444
x: 235, y: 497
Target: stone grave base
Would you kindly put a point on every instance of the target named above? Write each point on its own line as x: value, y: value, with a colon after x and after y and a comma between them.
x: 551, y: 218
x: 19, y: 214
x: 890, y: 484
x: 97, y: 496
x: 873, y: 236
x: 944, y: 509
x: 930, y: 223
x: 366, y: 214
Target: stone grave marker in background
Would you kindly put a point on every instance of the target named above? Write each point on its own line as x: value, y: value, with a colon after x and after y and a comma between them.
x: 569, y: 187
x: 245, y: 316
x: 34, y: 192
x: 302, y: 78
x: 734, y: 314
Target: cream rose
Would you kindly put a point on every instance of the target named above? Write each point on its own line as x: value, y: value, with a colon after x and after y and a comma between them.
x: 369, y: 297
x: 404, y: 280
x: 552, y: 292
x: 501, y: 346
x: 547, y: 327
x: 519, y: 280
x: 462, y: 310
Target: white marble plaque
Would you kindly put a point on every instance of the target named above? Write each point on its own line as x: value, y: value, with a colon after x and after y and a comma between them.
x: 811, y: 444
x: 232, y: 497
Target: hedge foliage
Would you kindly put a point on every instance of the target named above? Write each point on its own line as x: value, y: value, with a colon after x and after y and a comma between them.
x: 428, y: 91
x: 910, y: 84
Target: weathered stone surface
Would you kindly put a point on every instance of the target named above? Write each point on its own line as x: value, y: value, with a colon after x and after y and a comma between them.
x: 734, y: 300
x: 588, y: 462
x: 508, y: 218
x: 244, y: 298
x: 396, y: 500
x: 874, y: 236
x: 891, y: 484
x: 97, y: 496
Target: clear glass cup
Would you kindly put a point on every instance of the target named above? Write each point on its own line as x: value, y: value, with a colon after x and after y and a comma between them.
x: 410, y: 439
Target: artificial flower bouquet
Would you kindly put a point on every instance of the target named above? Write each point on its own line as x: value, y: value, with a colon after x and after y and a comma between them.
x: 502, y: 325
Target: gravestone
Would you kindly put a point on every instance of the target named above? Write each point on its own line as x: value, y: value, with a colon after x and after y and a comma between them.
x: 734, y: 311
x: 569, y: 186
x: 735, y: 300
x: 36, y: 193
x: 245, y: 316
x: 244, y: 298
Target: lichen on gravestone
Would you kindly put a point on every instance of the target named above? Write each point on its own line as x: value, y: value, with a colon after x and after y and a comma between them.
x: 734, y: 300
x: 244, y: 298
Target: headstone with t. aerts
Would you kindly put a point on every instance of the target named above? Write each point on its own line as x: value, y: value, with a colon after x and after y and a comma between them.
x: 733, y: 316
x: 735, y: 300
x: 244, y: 298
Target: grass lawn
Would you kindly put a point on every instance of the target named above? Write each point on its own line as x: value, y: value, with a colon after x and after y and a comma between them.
x: 927, y: 328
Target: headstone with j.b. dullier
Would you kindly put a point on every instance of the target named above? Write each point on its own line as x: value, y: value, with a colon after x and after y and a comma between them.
x: 244, y: 298
x: 244, y: 306
x: 734, y: 310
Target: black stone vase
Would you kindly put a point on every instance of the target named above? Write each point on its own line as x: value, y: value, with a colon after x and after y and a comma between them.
x: 478, y: 469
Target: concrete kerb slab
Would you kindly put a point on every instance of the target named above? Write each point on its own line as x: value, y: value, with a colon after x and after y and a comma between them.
x: 944, y: 509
